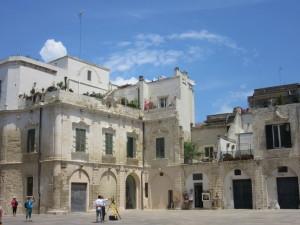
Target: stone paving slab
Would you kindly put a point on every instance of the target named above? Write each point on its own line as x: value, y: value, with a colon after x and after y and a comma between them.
x: 171, y: 217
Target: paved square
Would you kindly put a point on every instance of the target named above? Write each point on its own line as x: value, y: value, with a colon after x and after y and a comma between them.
x: 164, y: 217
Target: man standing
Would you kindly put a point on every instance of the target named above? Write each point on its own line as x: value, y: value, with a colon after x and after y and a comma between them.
x: 99, y: 204
x: 14, y: 204
x: 28, y: 206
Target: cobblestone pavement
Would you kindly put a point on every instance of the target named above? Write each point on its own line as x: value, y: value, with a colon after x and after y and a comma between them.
x: 174, y: 217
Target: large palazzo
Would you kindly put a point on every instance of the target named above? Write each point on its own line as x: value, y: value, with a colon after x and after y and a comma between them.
x: 67, y: 135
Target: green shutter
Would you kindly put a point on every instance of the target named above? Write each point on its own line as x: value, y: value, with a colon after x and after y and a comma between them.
x: 108, y: 144
x: 80, y: 140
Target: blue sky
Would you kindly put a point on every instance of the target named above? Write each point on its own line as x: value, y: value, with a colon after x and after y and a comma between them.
x: 229, y: 47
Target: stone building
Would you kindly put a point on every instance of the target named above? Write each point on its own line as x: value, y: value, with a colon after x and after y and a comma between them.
x: 67, y: 135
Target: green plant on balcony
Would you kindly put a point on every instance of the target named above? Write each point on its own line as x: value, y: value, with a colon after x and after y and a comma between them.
x: 133, y: 104
x: 190, y: 152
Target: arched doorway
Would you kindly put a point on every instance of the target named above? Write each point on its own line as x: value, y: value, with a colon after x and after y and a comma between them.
x: 130, y: 193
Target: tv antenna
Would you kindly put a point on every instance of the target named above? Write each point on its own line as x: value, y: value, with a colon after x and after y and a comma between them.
x: 279, y: 74
x: 80, y: 14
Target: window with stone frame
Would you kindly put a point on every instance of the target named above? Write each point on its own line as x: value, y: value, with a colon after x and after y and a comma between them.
x: 31, y: 140
x: 160, y: 147
x: 29, y: 186
x: 209, y: 152
x: 108, y: 143
x: 278, y: 136
x: 80, y: 139
x: 131, y: 147
x: 163, y: 102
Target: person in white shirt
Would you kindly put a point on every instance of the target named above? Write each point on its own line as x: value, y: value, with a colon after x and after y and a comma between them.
x: 99, y: 203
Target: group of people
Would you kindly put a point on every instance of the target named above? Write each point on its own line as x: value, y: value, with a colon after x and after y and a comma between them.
x: 28, y: 205
x: 100, y: 204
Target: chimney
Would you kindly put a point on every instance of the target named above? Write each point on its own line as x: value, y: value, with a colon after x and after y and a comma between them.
x: 141, y: 78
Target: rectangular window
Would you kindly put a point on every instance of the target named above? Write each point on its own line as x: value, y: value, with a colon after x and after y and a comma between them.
x: 197, y: 176
x: 209, y: 152
x: 80, y: 140
x: 29, y: 186
x: 0, y: 88
x: 163, y: 102
x: 89, y: 75
x: 31, y: 140
x: 130, y: 147
x: 278, y: 136
x: 160, y: 147
x: 108, y: 143
x: 146, y: 190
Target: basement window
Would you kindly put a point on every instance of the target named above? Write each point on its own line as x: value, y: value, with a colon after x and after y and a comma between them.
x: 282, y: 169
x: 237, y: 172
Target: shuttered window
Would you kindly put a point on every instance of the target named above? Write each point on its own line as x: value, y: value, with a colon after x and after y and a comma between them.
x: 278, y: 136
x: 31, y: 140
x: 130, y: 147
x: 160, y: 147
x: 209, y: 152
x: 80, y: 140
x: 108, y: 144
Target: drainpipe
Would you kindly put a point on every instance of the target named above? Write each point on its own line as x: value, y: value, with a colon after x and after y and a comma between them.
x: 142, y: 174
x: 39, y: 160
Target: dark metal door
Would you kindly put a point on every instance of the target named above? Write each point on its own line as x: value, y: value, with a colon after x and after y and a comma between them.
x: 78, y: 197
x: 198, y: 189
x: 288, y: 192
x: 242, y: 194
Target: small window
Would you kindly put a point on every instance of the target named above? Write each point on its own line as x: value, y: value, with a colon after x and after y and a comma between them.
x: 237, y: 172
x: 282, y: 169
x: 80, y: 140
x: 160, y: 147
x: 31, y: 140
x: 29, y: 186
x: 108, y: 143
x: 163, y: 102
x: 146, y: 190
x: 0, y: 88
x: 130, y: 147
x: 89, y: 75
x: 232, y: 147
x: 197, y: 176
x: 278, y: 136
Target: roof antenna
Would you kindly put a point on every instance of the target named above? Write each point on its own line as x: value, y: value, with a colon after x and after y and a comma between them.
x: 279, y: 74
x: 80, y: 14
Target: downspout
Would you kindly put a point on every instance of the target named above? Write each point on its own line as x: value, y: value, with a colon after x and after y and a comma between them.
x: 39, y: 160
x: 142, y: 173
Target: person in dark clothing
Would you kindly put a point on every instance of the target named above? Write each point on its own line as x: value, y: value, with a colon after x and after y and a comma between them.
x: 14, y: 204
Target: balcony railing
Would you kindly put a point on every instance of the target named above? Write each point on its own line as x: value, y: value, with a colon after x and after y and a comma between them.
x: 236, y: 155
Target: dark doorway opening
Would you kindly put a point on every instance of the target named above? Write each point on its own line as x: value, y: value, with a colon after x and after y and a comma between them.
x: 130, y: 193
x: 198, y: 189
x: 242, y: 194
x: 288, y: 192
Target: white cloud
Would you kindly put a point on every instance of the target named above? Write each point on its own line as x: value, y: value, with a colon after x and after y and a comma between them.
x: 52, y: 50
x: 204, y: 35
x: 123, y: 61
x: 154, y: 49
x: 121, y: 81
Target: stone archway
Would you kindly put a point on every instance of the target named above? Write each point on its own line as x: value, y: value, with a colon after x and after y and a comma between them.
x: 79, y: 191
x: 131, y: 193
x: 283, y: 188
x: 238, y: 191
x: 108, y: 185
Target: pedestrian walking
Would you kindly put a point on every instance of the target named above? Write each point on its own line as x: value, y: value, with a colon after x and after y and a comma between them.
x: 14, y: 205
x: 98, y: 205
x: 104, y: 203
x: 1, y: 214
x: 28, y: 206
